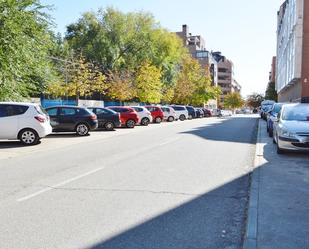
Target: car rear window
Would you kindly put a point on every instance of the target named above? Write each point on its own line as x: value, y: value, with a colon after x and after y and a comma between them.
x: 138, y: 109
x: 40, y: 109
x: 178, y: 108
x: 12, y: 110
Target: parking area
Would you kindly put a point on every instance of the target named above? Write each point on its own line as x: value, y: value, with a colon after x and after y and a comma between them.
x: 55, y: 141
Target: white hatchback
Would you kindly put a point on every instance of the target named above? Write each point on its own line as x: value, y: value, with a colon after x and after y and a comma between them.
x: 26, y: 122
x: 181, y: 112
x: 143, y: 115
x: 169, y: 113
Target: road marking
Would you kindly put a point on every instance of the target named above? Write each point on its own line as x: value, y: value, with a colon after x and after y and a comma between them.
x: 58, y: 185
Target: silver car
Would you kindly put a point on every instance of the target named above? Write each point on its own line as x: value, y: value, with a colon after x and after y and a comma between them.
x: 291, y: 128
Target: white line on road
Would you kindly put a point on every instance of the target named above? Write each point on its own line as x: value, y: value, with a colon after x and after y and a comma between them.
x: 59, y: 185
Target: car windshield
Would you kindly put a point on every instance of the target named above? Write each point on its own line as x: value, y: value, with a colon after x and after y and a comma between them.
x: 296, y: 113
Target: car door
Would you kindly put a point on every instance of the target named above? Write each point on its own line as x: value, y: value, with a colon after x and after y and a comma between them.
x: 54, y: 118
x: 67, y: 118
x: 102, y: 115
x: 8, y: 122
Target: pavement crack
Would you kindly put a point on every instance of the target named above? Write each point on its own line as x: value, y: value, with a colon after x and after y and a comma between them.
x: 205, y: 195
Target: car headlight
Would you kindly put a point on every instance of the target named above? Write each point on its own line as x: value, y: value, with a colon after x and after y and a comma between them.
x: 286, y: 133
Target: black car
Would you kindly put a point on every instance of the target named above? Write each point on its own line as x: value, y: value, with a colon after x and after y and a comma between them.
x: 72, y: 118
x: 199, y: 113
x: 191, y: 112
x: 108, y: 119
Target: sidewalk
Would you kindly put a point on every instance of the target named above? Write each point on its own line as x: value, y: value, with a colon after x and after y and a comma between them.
x: 278, y: 215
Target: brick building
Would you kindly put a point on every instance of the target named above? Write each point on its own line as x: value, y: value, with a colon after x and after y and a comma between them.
x: 292, y: 66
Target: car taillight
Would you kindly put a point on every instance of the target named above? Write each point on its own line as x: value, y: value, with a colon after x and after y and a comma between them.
x: 93, y: 117
x: 41, y: 119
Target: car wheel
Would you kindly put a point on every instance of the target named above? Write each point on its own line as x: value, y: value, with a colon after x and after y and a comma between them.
x: 170, y: 119
x: 182, y: 117
x: 29, y: 137
x: 130, y: 123
x: 109, y: 126
x: 82, y: 129
x: 145, y: 121
x: 158, y: 120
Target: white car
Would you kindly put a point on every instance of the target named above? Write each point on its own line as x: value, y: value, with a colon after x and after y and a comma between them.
x: 169, y: 113
x: 26, y: 122
x: 291, y: 128
x: 181, y: 112
x: 225, y: 113
x: 143, y: 115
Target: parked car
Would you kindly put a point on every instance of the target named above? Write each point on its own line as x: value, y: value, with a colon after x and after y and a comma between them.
x: 272, y: 116
x: 72, y: 119
x: 26, y: 122
x: 266, y: 106
x: 225, y: 113
x: 128, y: 116
x: 191, y: 112
x: 107, y: 119
x: 143, y: 114
x: 169, y: 113
x: 207, y: 112
x: 291, y: 129
x: 181, y: 112
x: 199, y: 113
x: 156, y: 113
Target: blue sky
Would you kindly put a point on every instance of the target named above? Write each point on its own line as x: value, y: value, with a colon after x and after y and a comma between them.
x: 243, y: 30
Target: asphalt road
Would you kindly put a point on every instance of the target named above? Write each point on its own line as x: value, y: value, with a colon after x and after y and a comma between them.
x: 181, y: 185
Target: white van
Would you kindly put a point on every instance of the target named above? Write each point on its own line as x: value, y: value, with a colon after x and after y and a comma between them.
x: 26, y: 122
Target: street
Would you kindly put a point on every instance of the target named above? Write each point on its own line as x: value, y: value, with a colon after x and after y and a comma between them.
x: 175, y: 185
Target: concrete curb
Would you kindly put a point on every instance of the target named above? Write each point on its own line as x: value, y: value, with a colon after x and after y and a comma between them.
x: 250, y: 241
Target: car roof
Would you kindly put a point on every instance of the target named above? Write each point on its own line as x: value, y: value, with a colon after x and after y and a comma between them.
x: 66, y: 106
x: 296, y: 104
x: 19, y: 103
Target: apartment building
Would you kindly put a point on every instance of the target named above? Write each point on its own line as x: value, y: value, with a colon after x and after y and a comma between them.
x: 197, y: 48
x: 226, y: 78
x: 292, y: 66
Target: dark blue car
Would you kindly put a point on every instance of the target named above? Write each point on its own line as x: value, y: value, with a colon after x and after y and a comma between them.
x: 272, y: 116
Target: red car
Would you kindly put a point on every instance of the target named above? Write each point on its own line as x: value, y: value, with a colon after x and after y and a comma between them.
x: 128, y: 116
x: 156, y: 113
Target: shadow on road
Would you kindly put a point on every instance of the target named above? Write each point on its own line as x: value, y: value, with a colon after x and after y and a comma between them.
x: 215, y: 219
x: 10, y: 144
x: 226, y: 129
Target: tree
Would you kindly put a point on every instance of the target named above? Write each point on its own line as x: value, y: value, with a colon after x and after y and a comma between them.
x: 24, y: 45
x: 271, y: 93
x: 121, y: 85
x: 84, y: 80
x: 188, y: 78
x: 233, y: 101
x: 254, y: 100
x: 148, y: 83
x: 123, y: 41
x: 194, y: 84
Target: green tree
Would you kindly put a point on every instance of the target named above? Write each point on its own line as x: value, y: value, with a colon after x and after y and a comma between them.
x: 24, y: 47
x: 123, y: 41
x: 84, y: 80
x: 254, y: 100
x: 271, y: 93
x: 188, y: 78
x: 148, y: 83
x: 233, y: 101
x: 194, y: 84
